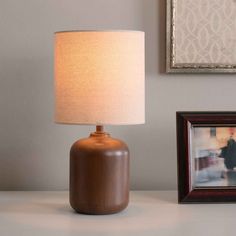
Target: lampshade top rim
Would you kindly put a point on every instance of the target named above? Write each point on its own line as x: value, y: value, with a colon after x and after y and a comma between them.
x: 91, y: 31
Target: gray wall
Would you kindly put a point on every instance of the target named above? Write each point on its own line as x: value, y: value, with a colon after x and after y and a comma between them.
x: 34, y: 150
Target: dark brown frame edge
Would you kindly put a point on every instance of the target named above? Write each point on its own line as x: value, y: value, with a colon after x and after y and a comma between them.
x: 199, y: 195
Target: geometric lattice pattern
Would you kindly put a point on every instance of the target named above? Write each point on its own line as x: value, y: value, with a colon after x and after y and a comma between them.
x: 205, y: 31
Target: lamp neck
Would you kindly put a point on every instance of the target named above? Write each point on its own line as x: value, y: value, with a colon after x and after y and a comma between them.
x: 99, y: 129
x: 99, y: 132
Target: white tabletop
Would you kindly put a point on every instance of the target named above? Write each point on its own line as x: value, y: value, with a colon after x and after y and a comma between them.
x: 149, y: 213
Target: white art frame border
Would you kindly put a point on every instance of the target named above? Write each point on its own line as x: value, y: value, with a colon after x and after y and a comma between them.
x: 171, y: 65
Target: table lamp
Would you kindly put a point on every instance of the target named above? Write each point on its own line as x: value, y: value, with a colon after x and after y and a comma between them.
x: 99, y: 80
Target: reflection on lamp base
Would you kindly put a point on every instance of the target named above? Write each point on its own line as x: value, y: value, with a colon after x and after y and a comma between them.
x: 99, y: 174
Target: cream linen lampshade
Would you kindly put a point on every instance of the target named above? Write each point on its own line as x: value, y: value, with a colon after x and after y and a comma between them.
x: 99, y: 77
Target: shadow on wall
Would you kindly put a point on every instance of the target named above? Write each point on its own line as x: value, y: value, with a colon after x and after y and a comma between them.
x: 23, y: 86
x: 154, y: 14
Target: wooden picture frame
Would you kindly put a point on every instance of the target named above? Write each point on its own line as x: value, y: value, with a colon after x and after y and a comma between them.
x: 201, y: 36
x: 189, y: 190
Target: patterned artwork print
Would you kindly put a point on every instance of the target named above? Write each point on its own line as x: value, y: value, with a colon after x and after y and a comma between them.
x: 205, y: 31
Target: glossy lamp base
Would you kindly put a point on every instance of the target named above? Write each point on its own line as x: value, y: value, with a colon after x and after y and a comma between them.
x: 99, y: 174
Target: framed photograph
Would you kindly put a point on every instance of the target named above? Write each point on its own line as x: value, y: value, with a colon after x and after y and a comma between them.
x: 201, y: 36
x: 206, y: 148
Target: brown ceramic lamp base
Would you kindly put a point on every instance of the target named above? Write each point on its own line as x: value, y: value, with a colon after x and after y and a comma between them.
x: 99, y: 174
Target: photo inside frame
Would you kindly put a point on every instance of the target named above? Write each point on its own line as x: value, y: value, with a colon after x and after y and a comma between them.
x: 213, y: 156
